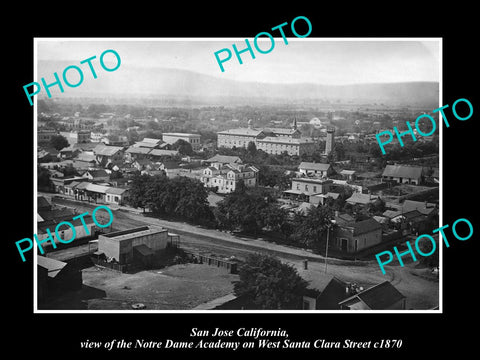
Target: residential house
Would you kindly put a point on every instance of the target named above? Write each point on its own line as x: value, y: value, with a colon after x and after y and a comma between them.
x: 315, y: 169
x: 403, y: 174
x: 226, y: 178
x: 361, y: 199
x: 69, y: 153
x: 144, y: 164
x: 304, y: 188
x: 47, y: 154
x: 356, y: 236
x: 96, y: 175
x: 218, y: 161
x: 170, y: 168
x: 383, y: 296
x: 116, y: 196
x: 322, y: 198
x: 59, y: 184
x: 348, y: 175
x: 329, y: 298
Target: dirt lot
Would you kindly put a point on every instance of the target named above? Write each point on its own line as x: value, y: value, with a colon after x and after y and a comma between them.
x: 178, y: 287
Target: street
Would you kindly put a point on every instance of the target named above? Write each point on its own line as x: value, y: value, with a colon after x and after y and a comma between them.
x: 421, y: 293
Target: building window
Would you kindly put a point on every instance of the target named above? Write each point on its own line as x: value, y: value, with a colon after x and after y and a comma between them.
x: 314, y: 188
x: 298, y: 186
x: 306, y: 187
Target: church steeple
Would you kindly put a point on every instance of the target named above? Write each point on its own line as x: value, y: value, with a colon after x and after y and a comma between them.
x: 294, y: 127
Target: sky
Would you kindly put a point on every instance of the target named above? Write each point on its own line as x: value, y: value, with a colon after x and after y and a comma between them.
x: 307, y: 60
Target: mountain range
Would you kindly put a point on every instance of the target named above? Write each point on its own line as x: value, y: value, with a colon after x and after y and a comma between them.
x: 158, y: 82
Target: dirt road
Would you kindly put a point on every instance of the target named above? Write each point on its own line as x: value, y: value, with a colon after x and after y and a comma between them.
x: 420, y: 292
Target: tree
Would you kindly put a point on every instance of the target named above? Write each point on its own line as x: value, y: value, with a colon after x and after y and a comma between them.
x: 43, y: 179
x: 247, y: 210
x: 269, y: 283
x: 138, y: 191
x: 58, y: 142
x: 311, y: 229
x: 183, y: 147
x: 251, y: 148
x: 182, y: 197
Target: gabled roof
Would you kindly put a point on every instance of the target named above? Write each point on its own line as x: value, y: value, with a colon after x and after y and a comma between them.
x: 344, y: 218
x: 152, y: 140
x: 115, y: 191
x: 161, y: 152
x: 82, y: 186
x: 365, y: 226
x: 85, y: 157
x: 144, y: 162
x: 97, y: 173
x: 96, y: 188
x: 145, y: 144
x: 403, y: 171
x: 42, y: 203
x: 53, y: 266
x: 358, y: 198
x: 104, y: 150
x: 347, y: 172
x: 138, y: 150
x: 313, y: 166
x: 378, y: 297
x: 225, y: 159
x: 333, y: 293
x: 422, y: 207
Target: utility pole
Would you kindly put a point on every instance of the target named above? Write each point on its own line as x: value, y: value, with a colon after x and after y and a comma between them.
x: 326, y: 248
x: 331, y: 223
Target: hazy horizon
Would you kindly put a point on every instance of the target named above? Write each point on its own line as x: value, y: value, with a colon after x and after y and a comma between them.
x: 302, y: 61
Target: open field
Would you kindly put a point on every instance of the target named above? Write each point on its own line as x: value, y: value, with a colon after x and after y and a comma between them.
x: 177, y: 287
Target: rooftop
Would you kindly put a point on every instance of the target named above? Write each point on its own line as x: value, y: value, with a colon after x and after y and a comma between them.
x: 378, y: 297
x: 182, y: 135
x: 403, y: 171
x: 161, y: 152
x: 225, y: 159
x: 104, y: 150
x: 134, y: 233
x: 53, y: 266
x: 137, y: 150
x: 358, y: 198
x: 286, y: 140
x: 242, y: 132
x: 313, y: 166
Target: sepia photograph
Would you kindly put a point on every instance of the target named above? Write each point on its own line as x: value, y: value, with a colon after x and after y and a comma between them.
x: 210, y: 175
